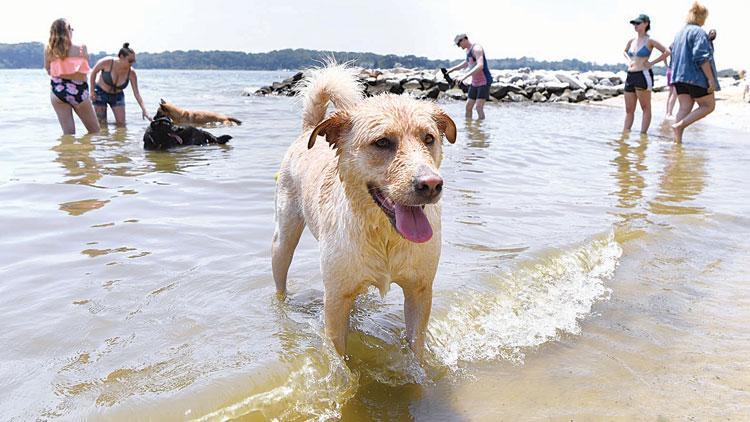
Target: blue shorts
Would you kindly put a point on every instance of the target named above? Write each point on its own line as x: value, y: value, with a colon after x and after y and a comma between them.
x: 105, y: 98
x: 481, y: 92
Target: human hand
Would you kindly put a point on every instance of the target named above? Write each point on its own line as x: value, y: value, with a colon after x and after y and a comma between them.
x: 649, y: 65
x: 92, y: 95
x: 145, y: 116
x: 711, y: 86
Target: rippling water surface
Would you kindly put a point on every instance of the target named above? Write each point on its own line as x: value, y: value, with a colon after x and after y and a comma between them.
x: 585, y: 274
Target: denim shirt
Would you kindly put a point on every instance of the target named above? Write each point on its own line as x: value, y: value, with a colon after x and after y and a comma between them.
x: 690, y: 49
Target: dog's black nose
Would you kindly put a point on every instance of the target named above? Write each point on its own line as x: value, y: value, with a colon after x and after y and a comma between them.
x: 428, y: 185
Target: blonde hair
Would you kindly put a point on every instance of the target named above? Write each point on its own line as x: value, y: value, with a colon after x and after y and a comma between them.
x: 697, y: 14
x: 59, y: 40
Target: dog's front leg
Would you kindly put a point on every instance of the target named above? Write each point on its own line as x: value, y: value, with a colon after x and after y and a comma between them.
x: 417, y: 307
x: 336, y: 309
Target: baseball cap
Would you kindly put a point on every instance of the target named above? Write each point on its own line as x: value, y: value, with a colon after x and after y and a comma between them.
x: 640, y: 19
x: 458, y: 38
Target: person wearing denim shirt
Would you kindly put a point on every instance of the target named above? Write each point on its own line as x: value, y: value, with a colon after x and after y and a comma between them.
x: 693, y: 71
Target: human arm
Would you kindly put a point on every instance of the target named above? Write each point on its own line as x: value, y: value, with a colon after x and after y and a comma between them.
x: 665, y: 52
x: 706, y: 68
x: 458, y: 66
x: 702, y: 55
x: 628, y: 59
x: 137, y: 94
x: 92, y: 79
x: 478, y: 65
x: 46, y: 62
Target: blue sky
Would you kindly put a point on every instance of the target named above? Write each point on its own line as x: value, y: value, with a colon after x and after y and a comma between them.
x: 545, y: 29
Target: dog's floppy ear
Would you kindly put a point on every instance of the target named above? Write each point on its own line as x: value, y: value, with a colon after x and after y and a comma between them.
x: 445, y: 125
x: 331, y: 128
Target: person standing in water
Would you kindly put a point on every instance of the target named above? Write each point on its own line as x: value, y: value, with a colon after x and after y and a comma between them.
x: 640, y: 79
x: 114, y: 75
x: 693, y: 71
x: 479, y: 72
x: 67, y: 65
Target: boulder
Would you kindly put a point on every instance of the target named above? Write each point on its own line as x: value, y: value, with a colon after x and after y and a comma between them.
x: 538, y: 97
x: 573, y: 82
x: 455, y: 94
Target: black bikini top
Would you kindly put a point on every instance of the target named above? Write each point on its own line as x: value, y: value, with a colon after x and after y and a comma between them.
x: 107, y: 78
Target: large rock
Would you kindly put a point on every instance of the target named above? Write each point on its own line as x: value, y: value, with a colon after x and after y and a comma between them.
x: 573, y: 82
x: 538, y: 97
x: 455, y: 94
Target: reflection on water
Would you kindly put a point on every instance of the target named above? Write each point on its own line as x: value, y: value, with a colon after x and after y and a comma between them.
x: 681, y: 181
x: 476, y: 136
x: 629, y: 163
x: 75, y: 156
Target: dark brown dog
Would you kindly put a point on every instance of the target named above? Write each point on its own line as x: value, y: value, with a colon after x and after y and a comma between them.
x: 180, y: 116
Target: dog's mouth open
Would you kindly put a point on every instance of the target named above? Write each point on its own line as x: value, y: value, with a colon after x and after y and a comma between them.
x: 410, y: 221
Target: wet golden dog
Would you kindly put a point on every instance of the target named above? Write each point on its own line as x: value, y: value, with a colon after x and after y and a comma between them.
x: 369, y: 194
x: 181, y: 116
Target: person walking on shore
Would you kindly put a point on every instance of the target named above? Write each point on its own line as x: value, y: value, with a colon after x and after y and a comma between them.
x: 693, y: 71
x: 67, y: 65
x: 640, y: 79
x: 479, y: 72
x: 114, y: 75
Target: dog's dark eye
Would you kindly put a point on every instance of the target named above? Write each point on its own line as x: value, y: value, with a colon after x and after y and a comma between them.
x: 429, y: 139
x: 383, y: 143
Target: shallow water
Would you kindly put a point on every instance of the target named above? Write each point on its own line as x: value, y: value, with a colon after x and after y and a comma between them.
x: 584, y: 274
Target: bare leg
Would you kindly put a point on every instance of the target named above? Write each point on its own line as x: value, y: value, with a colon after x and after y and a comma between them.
x: 644, y: 99
x: 686, y: 104
x: 119, y: 112
x: 336, y: 309
x: 101, y: 114
x: 706, y: 105
x: 286, y: 235
x: 469, y: 107
x: 64, y: 113
x: 417, y: 307
x: 671, y: 100
x: 85, y: 112
x: 480, y: 109
x: 630, y: 102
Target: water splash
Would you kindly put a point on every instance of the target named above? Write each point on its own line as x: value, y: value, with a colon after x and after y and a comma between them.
x: 530, y: 305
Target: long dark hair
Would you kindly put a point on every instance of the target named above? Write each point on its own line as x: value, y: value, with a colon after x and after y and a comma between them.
x: 125, y: 50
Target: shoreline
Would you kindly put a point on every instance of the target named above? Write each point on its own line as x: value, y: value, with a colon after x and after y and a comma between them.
x: 730, y: 113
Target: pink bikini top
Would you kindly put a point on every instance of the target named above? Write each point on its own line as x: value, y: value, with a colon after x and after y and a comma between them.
x: 69, y: 65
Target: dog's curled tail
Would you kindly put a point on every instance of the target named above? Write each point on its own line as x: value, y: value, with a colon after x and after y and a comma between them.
x: 337, y: 83
x: 233, y: 120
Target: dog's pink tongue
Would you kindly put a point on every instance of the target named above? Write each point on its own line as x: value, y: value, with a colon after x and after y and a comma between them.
x: 412, y: 223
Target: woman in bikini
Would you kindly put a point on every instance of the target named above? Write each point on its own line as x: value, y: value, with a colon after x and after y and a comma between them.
x: 114, y: 75
x: 67, y: 65
x: 640, y: 78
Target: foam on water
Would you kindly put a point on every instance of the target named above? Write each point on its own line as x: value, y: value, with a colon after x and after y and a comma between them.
x: 525, y: 307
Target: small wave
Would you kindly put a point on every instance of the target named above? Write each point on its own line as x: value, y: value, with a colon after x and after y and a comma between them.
x: 532, y: 304
x: 317, y: 386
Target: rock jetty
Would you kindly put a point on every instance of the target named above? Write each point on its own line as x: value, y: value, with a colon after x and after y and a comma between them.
x: 517, y: 85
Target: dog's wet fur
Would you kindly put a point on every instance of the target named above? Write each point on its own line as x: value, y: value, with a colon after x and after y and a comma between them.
x: 365, y: 181
x: 163, y: 134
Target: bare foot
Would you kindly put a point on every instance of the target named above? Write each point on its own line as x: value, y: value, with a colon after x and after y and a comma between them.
x: 677, y: 130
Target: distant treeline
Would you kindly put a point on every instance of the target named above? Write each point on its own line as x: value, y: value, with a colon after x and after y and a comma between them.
x: 31, y: 55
